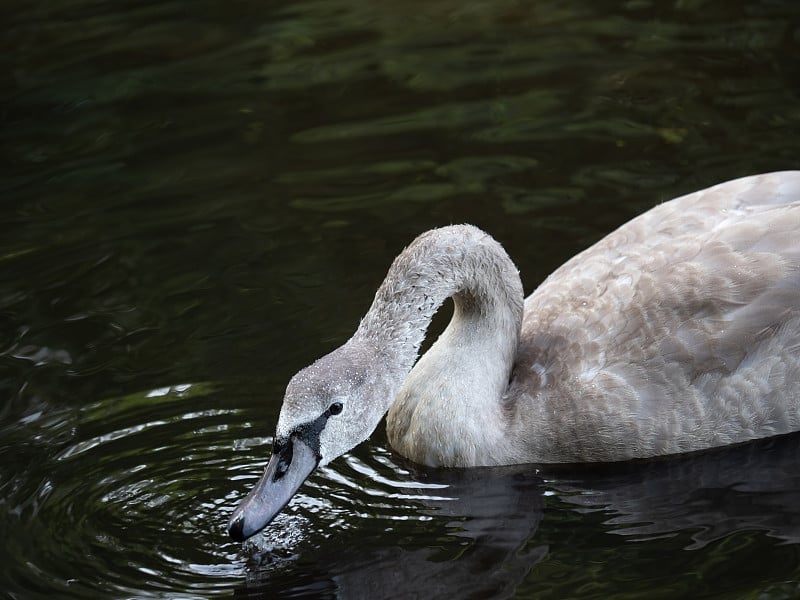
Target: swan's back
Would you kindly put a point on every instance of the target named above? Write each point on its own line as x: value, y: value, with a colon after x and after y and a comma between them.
x: 679, y: 331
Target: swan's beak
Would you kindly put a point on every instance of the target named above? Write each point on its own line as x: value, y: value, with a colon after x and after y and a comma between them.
x: 288, y: 468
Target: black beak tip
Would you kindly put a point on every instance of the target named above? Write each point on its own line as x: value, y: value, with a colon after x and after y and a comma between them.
x: 236, y: 529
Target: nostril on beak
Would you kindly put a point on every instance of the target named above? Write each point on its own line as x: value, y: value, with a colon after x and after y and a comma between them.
x: 236, y: 529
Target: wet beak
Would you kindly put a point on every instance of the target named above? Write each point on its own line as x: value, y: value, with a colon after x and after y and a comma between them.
x: 288, y: 468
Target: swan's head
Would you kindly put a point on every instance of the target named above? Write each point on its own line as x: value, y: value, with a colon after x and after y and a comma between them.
x: 329, y: 407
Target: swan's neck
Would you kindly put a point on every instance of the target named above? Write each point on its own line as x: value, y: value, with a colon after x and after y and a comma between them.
x: 455, y: 391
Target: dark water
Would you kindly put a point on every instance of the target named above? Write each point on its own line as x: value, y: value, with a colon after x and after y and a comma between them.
x: 198, y: 198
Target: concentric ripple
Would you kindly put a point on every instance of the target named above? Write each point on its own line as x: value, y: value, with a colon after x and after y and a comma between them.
x: 129, y: 497
x: 132, y: 505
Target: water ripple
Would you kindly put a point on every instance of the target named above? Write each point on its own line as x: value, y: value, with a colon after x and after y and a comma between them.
x: 134, y: 509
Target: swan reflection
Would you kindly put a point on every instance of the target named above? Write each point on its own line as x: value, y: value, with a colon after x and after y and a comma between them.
x: 477, y: 535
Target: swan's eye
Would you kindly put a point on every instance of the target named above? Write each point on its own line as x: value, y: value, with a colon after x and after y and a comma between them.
x: 335, y: 408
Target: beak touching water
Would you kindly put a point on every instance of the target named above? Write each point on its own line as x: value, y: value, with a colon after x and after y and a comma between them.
x: 290, y: 465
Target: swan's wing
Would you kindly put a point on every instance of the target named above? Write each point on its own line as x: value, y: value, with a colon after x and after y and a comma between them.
x: 682, y: 324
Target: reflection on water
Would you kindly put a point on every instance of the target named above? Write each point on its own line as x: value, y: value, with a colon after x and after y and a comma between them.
x: 212, y: 197
x: 480, y: 534
x: 454, y: 531
x: 754, y: 487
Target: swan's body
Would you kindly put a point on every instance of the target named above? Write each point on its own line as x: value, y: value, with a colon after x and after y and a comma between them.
x: 679, y: 331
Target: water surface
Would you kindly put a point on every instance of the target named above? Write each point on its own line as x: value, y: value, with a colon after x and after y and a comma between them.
x: 197, y: 199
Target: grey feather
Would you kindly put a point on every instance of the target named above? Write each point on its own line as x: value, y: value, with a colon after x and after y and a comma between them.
x: 677, y: 332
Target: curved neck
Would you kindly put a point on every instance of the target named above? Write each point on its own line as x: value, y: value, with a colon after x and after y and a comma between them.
x: 466, y: 264
x: 459, y: 261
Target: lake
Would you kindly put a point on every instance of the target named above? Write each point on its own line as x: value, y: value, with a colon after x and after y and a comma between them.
x: 198, y: 199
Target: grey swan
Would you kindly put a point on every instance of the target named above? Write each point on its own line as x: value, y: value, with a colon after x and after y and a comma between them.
x: 678, y: 332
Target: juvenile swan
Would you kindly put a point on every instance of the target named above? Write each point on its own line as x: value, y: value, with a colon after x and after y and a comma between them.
x: 677, y: 332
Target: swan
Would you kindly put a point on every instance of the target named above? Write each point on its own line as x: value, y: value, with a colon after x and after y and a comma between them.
x: 678, y: 332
